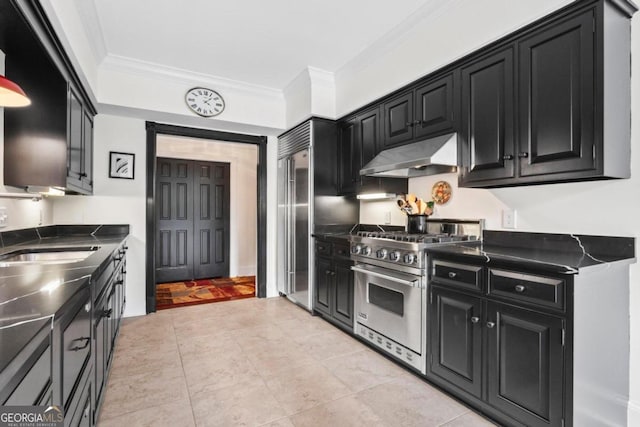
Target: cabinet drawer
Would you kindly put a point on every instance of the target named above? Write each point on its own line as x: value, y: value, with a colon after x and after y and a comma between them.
x: 461, y: 275
x: 33, y: 385
x: 76, y: 341
x: 341, y: 251
x: 541, y: 290
x: 323, y: 248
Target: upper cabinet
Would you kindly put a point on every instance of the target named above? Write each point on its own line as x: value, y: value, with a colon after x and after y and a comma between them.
x: 548, y: 103
x: 487, y: 134
x: 359, y: 142
x: 421, y: 112
x: 50, y: 142
x: 570, y: 97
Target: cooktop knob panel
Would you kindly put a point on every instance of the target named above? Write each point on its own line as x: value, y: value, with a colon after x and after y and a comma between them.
x: 394, y: 256
x: 409, y: 258
x: 381, y: 253
x: 366, y: 251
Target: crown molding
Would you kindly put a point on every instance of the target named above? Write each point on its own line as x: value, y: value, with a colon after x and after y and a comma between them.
x: 150, y: 69
x: 429, y: 12
x: 93, y: 29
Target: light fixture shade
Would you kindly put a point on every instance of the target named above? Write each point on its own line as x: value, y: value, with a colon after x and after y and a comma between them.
x: 11, y: 95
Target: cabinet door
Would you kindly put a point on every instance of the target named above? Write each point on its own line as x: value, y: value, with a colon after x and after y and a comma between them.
x: 87, y: 145
x: 100, y: 333
x: 349, y: 157
x: 456, y: 339
x: 76, y: 342
x: 525, y: 366
x: 343, y: 295
x: 487, y: 139
x: 74, y: 142
x: 324, y: 283
x: 557, y: 98
x: 398, y: 120
x: 434, y: 107
x: 368, y: 138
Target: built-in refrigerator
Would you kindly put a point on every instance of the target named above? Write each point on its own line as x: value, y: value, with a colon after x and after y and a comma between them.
x: 308, y: 203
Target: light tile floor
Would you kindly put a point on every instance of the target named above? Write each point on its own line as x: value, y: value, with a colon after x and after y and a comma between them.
x: 262, y: 362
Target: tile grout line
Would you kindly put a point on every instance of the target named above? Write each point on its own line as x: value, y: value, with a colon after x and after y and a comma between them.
x: 184, y: 374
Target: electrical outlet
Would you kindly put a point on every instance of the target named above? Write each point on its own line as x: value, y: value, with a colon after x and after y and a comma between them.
x: 508, y: 218
x: 4, y: 217
x: 387, y: 217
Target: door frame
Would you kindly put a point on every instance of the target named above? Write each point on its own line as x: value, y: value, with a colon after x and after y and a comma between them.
x: 153, y: 129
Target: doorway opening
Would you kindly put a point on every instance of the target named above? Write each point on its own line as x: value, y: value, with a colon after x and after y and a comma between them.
x: 206, y: 216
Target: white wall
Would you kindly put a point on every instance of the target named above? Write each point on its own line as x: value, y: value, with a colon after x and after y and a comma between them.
x: 311, y: 93
x: 116, y: 201
x: 453, y: 29
x: 609, y: 208
x: 243, y: 159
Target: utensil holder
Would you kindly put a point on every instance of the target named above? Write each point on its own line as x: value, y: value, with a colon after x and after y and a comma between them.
x: 417, y: 224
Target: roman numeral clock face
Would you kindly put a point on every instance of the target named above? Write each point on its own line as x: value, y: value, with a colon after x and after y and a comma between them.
x: 204, y: 102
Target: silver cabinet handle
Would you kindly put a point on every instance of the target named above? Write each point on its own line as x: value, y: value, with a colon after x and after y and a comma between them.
x: 475, y: 319
x: 414, y: 283
x: 520, y: 288
x: 490, y: 325
x: 452, y: 275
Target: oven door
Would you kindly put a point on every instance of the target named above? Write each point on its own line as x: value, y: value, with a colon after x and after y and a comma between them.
x: 390, y: 303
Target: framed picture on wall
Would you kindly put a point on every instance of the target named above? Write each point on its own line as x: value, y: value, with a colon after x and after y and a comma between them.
x: 121, y: 165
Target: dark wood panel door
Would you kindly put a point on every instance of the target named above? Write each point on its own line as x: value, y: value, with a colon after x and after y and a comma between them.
x: 456, y: 339
x: 557, y: 67
x: 211, y: 219
x: 349, y: 157
x: 487, y: 139
x: 87, y: 152
x: 74, y: 144
x: 525, y: 364
x: 174, y: 207
x: 324, y: 285
x: 368, y: 135
x: 434, y: 107
x: 398, y: 120
x: 343, y: 294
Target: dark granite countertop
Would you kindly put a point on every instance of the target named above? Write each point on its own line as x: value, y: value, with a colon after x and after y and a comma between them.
x: 555, y: 253
x: 33, y: 295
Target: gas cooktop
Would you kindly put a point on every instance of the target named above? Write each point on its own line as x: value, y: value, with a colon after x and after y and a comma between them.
x: 403, y: 236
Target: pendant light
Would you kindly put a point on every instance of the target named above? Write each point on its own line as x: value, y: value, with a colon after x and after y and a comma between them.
x: 11, y: 95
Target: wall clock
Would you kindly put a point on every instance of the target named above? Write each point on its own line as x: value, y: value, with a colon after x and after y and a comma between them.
x: 204, y: 102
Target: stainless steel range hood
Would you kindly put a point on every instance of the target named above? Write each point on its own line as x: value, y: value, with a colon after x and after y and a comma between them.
x: 428, y: 157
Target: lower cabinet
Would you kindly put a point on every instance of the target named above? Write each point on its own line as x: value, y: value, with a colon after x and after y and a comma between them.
x: 497, y: 353
x: 333, y: 297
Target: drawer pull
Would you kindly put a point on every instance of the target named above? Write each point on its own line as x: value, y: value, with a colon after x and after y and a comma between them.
x: 452, y: 275
x: 82, y: 346
x: 107, y: 313
x: 490, y: 325
x: 321, y: 248
x: 520, y: 288
x: 475, y: 319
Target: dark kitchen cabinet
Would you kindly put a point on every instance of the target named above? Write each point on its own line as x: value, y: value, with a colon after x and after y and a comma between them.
x: 525, y: 364
x: 34, y: 388
x: 557, y: 98
x: 80, y: 146
x: 563, y: 115
x: 456, y: 339
x: 360, y: 140
x: 398, y: 120
x: 487, y: 134
x: 420, y: 113
x: 334, y: 285
x: 48, y: 143
x: 434, y: 110
x: 501, y: 345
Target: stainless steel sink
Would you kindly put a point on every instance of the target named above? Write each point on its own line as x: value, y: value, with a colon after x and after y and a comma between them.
x: 51, y: 256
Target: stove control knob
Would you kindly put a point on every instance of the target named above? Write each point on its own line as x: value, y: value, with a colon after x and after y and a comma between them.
x: 409, y: 258
x: 356, y: 249
x: 366, y: 251
x: 381, y: 253
x: 394, y: 256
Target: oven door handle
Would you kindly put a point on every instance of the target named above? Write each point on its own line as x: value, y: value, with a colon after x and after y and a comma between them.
x: 414, y: 283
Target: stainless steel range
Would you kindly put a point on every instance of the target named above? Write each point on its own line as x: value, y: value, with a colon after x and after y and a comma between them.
x: 390, y: 285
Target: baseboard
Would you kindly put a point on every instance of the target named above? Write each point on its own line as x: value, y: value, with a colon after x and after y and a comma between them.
x: 633, y: 414
x: 249, y: 270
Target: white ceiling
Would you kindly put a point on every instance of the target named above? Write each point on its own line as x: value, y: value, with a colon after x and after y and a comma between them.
x: 259, y: 42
